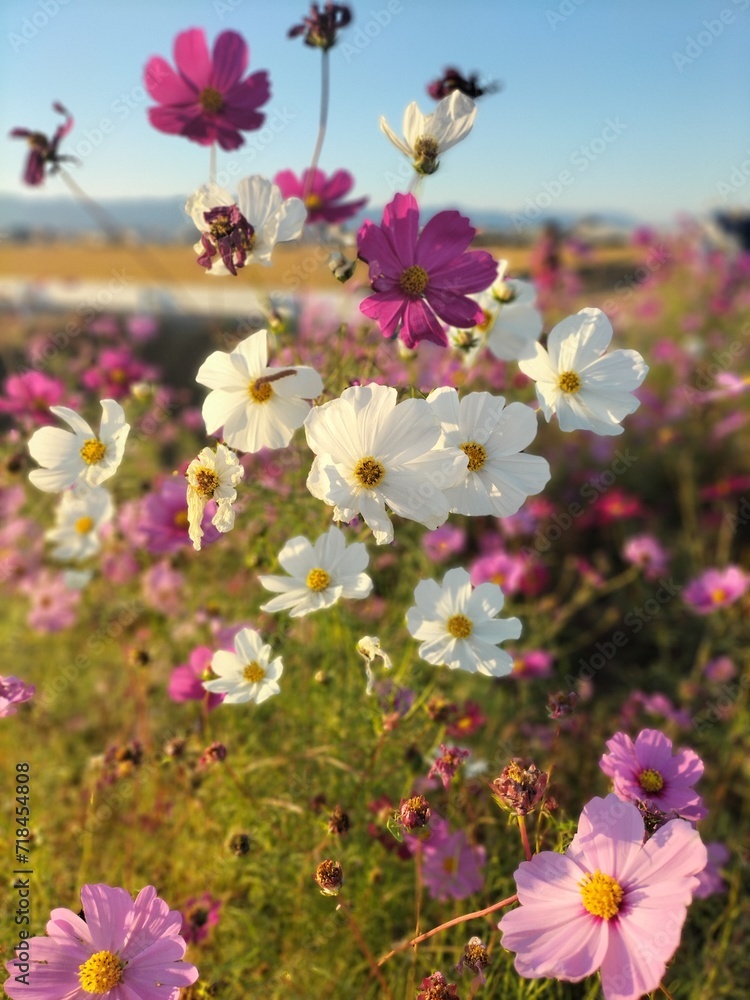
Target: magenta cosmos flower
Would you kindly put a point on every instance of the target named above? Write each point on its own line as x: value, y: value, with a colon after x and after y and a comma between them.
x: 648, y: 771
x: 186, y: 681
x: 611, y: 902
x: 207, y: 100
x: 715, y: 589
x: 322, y: 195
x: 43, y: 151
x: 123, y: 950
x: 419, y: 280
x: 13, y: 692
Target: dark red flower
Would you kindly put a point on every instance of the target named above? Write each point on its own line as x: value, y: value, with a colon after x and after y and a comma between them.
x: 321, y: 26
x: 452, y: 79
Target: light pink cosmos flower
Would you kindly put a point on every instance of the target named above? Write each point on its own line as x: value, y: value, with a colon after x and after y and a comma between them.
x: 186, y: 681
x: 647, y: 771
x: 716, y: 588
x: 420, y: 279
x: 648, y: 552
x: 451, y: 866
x: 13, y: 692
x: 53, y: 606
x: 123, y: 950
x: 322, y: 195
x: 710, y: 880
x: 207, y: 100
x: 611, y: 902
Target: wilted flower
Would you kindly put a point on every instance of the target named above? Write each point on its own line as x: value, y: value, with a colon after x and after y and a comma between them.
x: 437, y: 987
x: 452, y: 79
x: 321, y: 26
x: 414, y: 812
x: 199, y: 915
x: 43, y: 151
x: 520, y: 789
x: 447, y: 763
x: 330, y: 877
x: 213, y: 475
x: 338, y: 821
x: 475, y: 958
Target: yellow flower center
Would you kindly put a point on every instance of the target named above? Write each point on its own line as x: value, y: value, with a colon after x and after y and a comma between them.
x: 93, y: 451
x: 569, y: 382
x: 719, y: 595
x: 313, y: 202
x: 118, y: 375
x: 486, y: 322
x: 260, y: 393
x: 369, y: 472
x: 476, y: 453
x: 101, y: 973
x: 413, y: 280
x: 460, y: 627
x: 84, y: 525
x: 181, y: 519
x: 449, y: 866
x: 504, y: 293
x: 253, y: 672
x: 206, y: 481
x: 426, y: 146
x: 318, y: 579
x: 650, y: 780
x: 211, y: 100
x: 601, y: 894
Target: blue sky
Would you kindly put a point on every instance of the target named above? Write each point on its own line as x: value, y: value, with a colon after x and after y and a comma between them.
x: 605, y: 104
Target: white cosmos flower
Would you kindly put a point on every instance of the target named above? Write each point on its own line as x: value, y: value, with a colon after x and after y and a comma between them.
x: 587, y: 389
x: 459, y: 627
x: 78, y: 521
x: 371, y: 451
x: 427, y: 136
x: 212, y: 476
x: 82, y: 458
x: 499, y: 477
x: 319, y: 574
x: 247, y: 674
x: 258, y: 407
x: 272, y: 220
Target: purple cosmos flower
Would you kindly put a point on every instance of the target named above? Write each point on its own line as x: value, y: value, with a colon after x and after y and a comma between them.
x: 710, y: 880
x: 163, y: 520
x: 451, y: 866
x: 320, y: 26
x: 122, y: 948
x: 715, y: 589
x: 12, y: 693
x: 611, y: 902
x: 647, y: 771
x: 43, y: 151
x: 419, y: 280
x: 322, y: 195
x: 186, y: 682
x: 207, y: 100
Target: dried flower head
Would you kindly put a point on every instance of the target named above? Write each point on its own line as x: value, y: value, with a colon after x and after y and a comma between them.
x: 452, y: 79
x: 437, y: 987
x: 338, y: 821
x: 414, y: 813
x: 476, y: 958
x: 519, y: 789
x: 321, y: 26
x: 330, y: 877
x: 447, y: 763
x: 561, y: 703
x: 213, y: 754
x: 240, y: 844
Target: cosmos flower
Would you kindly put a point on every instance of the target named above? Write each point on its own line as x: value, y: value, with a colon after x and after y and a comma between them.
x: 451, y: 866
x: 322, y: 196
x: 586, y: 388
x: 247, y: 674
x: 186, y: 680
x: 43, y: 151
x: 81, y: 458
x: 163, y: 519
x: 319, y: 574
x: 258, y: 407
x: 234, y: 235
x: 499, y: 476
x: 53, y: 606
x: 207, y: 100
x: 716, y: 588
x: 646, y: 551
x: 371, y: 451
x: 611, y: 902
x: 648, y: 771
x: 320, y: 27
x: 458, y: 625
x: 200, y: 914
x: 121, y: 948
x: 13, y: 692
x: 452, y: 79
x: 420, y: 279
x: 79, y: 520
x: 31, y: 395
x: 427, y: 137
x: 213, y: 475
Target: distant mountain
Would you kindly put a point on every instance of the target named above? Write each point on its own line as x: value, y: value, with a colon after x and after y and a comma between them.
x: 163, y: 220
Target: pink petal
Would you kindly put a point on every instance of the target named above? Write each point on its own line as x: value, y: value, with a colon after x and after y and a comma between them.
x: 445, y: 236
x: 554, y: 941
x: 339, y: 213
x: 421, y: 323
x: 231, y: 57
x: 192, y: 58
x: 377, y: 250
x: 675, y: 851
x: 630, y: 968
x: 471, y: 272
x: 107, y: 911
x: 165, y: 86
x: 249, y: 94
x: 338, y: 185
x: 653, y: 749
x: 386, y: 308
x: 318, y: 182
x: 610, y: 833
x: 401, y: 221
x: 169, y: 119
x: 288, y: 183
x: 454, y: 309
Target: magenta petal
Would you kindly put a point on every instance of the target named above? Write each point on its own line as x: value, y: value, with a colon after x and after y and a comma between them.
x: 169, y: 120
x: 250, y: 93
x: 377, y: 250
x: 318, y: 182
x: 401, y: 220
x: 231, y: 57
x: 338, y: 185
x: 192, y: 58
x: 421, y: 323
x: 339, y: 213
x: 246, y: 119
x: 473, y: 271
x: 229, y: 138
x: 445, y: 236
x: 455, y: 310
x: 166, y: 86
x: 386, y: 308
x: 288, y: 183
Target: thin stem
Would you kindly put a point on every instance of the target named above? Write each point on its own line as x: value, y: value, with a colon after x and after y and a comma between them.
x: 374, y: 966
x: 325, y: 91
x: 449, y: 923
x: 665, y: 991
x: 212, y: 165
x: 524, y: 837
x: 102, y: 218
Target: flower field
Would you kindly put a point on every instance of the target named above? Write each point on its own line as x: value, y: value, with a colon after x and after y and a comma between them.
x: 393, y: 645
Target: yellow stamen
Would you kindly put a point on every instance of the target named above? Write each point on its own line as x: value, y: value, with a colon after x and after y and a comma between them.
x: 260, y: 392
x: 101, y: 973
x: 650, y: 780
x: 369, y: 472
x: 414, y: 280
x: 460, y: 627
x: 211, y: 100
x: 719, y: 595
x: 253, y: 672
x: 93, y: 451
x: 181, y: 519
x: 477, y: 455
x: 84, y: 525
x: 206, y: 481
x: 569, y: 382
x: 313, y: 202
x: 601, y: 894
x: 318, y: 579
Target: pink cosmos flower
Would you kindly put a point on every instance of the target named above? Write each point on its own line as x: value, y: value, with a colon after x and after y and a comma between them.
x: 163, y: 520
x: 532, y: 665
x: 647, y: 771
x: 115, y: 371
x: 207, y: 100
x: 710, y: 880
x: 162, y: 586
x: 611, y: 902
x: 29, y: 397
x: 442, y: 543
x: 420, y: 279
x: 43, y: 151
x: 186, y: 682
x: 53, y: 606
x: 13, y: 692
x: 716, y: 588
x: 451, y: 866
x: 200, y: 914
x: 499, y: 567
x: 646, y: 551
x: 322, y: 195
x: 123, y: 949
